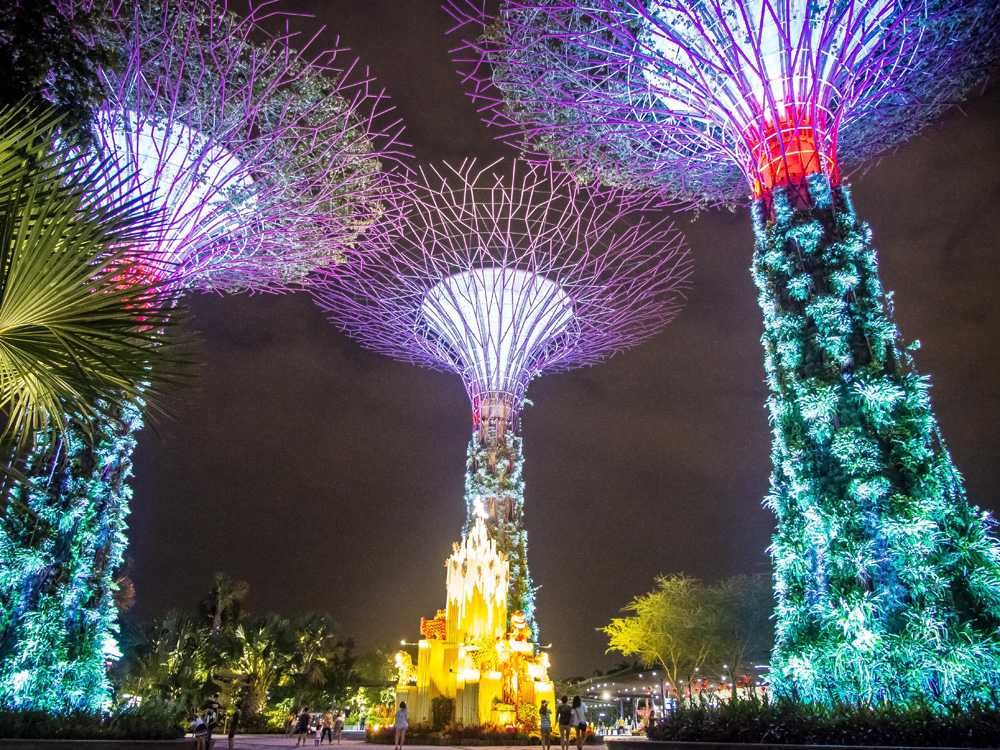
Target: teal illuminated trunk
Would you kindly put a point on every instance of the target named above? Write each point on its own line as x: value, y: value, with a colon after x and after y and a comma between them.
x: 61, y: 543
x: 494, y: 485
x: 887, y: 580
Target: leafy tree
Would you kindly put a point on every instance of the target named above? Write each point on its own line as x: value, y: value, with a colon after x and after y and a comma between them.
x: 670, y: 626
x: 684, y: 626
x: 76, y: 330
x: 743, y: 629
x: 51, y: 59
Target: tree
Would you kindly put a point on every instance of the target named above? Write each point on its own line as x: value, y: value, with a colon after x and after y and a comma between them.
x: 264, y: 664
x: 225, y: 601
x: 743, y: 632
x: 320, y: 662
x: 52, y: 60
x: 684, y: 625
x: 670, y: 627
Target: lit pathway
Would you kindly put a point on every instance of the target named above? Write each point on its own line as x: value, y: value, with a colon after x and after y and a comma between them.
x: 284, y: 742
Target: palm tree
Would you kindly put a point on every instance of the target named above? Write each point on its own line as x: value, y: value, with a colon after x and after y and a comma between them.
x: 259, y: 659
x: 224, y: 602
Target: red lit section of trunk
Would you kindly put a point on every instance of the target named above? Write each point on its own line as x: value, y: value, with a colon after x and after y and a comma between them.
x: 786, y: 153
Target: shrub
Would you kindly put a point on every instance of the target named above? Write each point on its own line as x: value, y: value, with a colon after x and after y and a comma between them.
x: 791, y: 723
x: 150, y: 720
x: 442, y: 712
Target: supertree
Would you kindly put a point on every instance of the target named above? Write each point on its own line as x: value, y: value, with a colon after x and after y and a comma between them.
x: 264, y: 159
x: 887, y: 580
x: 499, y: 276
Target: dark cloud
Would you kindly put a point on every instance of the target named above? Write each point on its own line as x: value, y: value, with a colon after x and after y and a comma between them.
x: 331, y: 479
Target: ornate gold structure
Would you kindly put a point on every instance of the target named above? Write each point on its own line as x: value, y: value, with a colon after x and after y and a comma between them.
x: 495, y: 675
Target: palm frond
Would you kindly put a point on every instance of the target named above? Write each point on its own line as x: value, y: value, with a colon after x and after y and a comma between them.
x: 83, y: 315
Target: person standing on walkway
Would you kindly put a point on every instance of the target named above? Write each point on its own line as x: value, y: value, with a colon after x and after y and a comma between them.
x: 338, y: 725
x: 234, y: 720
x: 565, y: 717
x: 401, y: 724
x: 200, y: 731
x: 545, y: 724
x: 579, y: 721
x: 327, y: 728
x: 211, y: 713
x: 302, y: 727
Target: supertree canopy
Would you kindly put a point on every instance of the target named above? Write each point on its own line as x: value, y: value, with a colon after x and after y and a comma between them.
x: 499, y: 276
x: 887, y: 580
x: 265, y: 162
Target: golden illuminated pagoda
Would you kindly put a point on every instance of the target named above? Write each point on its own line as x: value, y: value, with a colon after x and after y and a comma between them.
x: 495, y: 675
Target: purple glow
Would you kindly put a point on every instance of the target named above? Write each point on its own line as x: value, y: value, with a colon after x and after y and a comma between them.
x: 705, y: 98
x: 499, y: 276
x: 264, y: 157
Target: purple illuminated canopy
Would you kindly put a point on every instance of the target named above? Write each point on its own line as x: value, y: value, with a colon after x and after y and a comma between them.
x: 501, y: 273
x: 704, y: 98
x: 264, y: 155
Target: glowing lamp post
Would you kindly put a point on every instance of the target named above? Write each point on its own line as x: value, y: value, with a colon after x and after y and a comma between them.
x: 264, y: 162
x: 499, y: 277
x: 885, y: 576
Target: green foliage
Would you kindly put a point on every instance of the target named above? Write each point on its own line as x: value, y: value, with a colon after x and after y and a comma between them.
x: 61, y: 541
x: 51, y: 60
x: 151, y: 720
x: 887, y: 580
x: 75, y: 326
x: 442, y: 712
x: 493, y: 480
x: 792, y: 723
x: 268, y: 665
x: 684, y: 625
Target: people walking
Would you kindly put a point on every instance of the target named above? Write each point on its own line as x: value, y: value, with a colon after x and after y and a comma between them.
x: 302, y: 727
x: 579, y: 721
x: 545, y: 724
x: 564, y: 716
x: 401, y: 724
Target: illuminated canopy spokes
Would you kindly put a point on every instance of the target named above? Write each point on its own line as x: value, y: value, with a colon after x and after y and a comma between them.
x: 206, y: 195
x: 497, y: 321
x: 266, y: 157
x: 704, y: 98
x: 500, y: 275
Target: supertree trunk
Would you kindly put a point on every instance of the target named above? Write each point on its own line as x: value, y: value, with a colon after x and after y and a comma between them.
x: 494, y: 486
x: 887, y: 580
x: 60, y: 546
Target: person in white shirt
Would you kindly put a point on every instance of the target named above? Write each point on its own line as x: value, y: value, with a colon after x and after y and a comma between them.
x: 579, y: 721
x: 402, y: 723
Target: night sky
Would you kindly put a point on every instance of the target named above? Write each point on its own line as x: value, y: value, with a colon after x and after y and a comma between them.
x: 331, y: 479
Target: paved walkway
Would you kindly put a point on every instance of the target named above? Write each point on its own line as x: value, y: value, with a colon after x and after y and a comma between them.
x: 284, y: 742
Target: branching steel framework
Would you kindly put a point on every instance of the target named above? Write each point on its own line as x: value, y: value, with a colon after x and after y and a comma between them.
x: 701, y: 99
x: 266, y: 160
x: 499, y: 276
x: 265, y: 154
x: 887, y: 580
